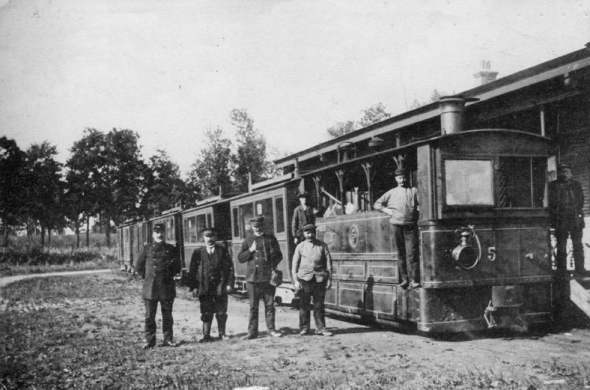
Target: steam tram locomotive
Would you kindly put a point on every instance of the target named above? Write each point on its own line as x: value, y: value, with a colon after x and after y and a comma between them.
x: 481, y: 162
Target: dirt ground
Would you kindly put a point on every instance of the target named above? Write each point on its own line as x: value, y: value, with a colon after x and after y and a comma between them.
x: 355, y: 348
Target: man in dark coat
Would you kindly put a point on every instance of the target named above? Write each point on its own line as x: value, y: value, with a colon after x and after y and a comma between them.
x: 302, y: 215
x: 158, y: 263
x: 566, y: 200
x: 262, y: 254
x: 211, y: 274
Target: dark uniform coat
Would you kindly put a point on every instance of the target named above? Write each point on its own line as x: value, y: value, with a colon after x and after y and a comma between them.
x: 158, y: 263
x: 300, y: 219
x: 210, y: 274
x: 262, y: 261
x: 566, y: 200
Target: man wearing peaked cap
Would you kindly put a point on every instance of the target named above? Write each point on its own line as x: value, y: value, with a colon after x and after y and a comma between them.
x: 257, y: 222
x: 312, y: 271
x: 211, y: 274
x: 566, y: 201
x: 302, y: 215
x: 158, y: 264
x: 262, y: 254
x: 401, y: 203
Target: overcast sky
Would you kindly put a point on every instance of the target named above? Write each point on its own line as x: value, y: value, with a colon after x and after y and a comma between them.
x: 170, y: 69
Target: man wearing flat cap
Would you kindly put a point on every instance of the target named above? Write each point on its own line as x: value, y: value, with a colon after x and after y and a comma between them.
x: 211, y: 274
x: 401, y: 203
x: 262, y: 254
x: 158, y: 264
x: 566, y: 200
x: 312, y: 271
x: 302, y: 215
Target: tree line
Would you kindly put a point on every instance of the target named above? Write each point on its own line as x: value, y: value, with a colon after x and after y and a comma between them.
x: 107, y: 179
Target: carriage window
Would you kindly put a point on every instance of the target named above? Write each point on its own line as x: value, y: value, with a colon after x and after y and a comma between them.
x: 209, y: 220
x: 201, y: 224
x: 469, y: 183
x: 264, y: 208
x: 191, y: 230
x: 280, y: 215
x: 170, y: 229
x: 521, y: 182
x: 246, y: 214
x: 236, y: 222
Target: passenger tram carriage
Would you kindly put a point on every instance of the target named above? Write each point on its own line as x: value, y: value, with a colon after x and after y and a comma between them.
x: 481, y: 162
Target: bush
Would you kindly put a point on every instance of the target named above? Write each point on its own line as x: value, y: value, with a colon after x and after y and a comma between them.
x: 25, y: 255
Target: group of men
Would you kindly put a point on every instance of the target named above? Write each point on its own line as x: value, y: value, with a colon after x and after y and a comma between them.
x: 211, y: 276
x: 211, y: 269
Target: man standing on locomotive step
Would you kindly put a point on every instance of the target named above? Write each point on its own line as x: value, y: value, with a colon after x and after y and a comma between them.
x: 302, y: 215
x: 158, y: 263
x: 211, y: 275
x: 262, y: 254
x: 312, y: 273
x: 566, y: 200
x: 401, y: 203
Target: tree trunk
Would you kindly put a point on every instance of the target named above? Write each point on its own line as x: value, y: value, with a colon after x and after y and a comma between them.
x: 42, y: 236
x: 88, y: 232
x: 108, y: 231
x: 49, y: 237
x: 4, y: 221
x: 77, y: 235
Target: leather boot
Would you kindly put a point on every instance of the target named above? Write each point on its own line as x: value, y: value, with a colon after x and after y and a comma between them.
x: 206, y: 332
x: 221, y: 329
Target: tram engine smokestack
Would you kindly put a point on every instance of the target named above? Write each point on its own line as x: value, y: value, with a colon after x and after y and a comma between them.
x: 451, y: 113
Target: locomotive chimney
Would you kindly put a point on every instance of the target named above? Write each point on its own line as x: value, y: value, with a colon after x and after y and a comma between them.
x: 451, y: 113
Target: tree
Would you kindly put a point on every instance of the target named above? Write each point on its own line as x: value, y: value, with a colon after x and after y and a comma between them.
x: 250, y: 159
x: 434, y: 97
x: 165, y: 187
x: 79, y: 198
x: 341, y: 128
x: 113, y: 172
x: 373, y: 114
x: 44, y: 190
x: 212, y: 169
x: 11, y: 183
x: 275, y: 153
x: 84, y: 165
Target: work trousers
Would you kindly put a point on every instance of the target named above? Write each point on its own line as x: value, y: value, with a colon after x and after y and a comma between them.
x: 405, y: 238
x: 214, y: 305
x: 561, y: 257
x: 317, y: 290
x: 151, y: 307
x: 266, y: 292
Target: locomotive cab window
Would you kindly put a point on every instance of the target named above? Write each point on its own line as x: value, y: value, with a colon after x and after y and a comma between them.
x: 469, y: 182
x: 521, y: 182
